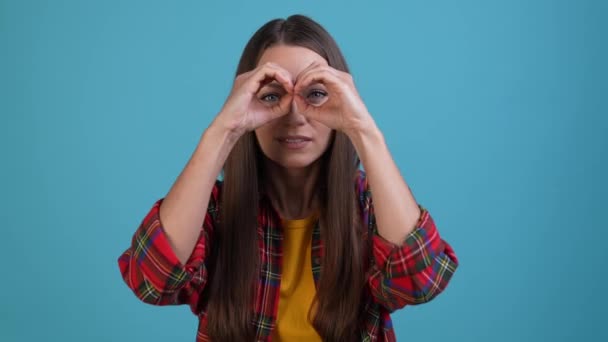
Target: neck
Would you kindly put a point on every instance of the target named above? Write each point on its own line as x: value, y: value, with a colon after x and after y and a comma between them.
x: 292, y: 191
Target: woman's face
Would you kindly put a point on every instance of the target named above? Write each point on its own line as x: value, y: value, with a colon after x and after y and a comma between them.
x: 292, y: 141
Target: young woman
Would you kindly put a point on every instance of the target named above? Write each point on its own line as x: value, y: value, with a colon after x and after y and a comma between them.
x: 290, y: 245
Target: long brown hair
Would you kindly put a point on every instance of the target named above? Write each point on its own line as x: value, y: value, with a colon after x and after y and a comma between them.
x: 235, y: 265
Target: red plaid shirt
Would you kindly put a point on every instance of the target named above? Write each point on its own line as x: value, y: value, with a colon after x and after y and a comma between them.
x: 412, y: 273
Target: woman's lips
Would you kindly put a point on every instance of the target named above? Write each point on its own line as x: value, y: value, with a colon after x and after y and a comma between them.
x: 294, y: 142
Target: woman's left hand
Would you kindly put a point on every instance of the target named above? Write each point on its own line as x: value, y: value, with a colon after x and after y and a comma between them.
x: 329, y: 96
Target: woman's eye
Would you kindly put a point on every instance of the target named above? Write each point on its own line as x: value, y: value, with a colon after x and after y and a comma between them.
x: 316, y: 96
x: 270, y: 98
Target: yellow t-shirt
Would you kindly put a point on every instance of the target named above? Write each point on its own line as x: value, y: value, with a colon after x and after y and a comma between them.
x: 297, y: 283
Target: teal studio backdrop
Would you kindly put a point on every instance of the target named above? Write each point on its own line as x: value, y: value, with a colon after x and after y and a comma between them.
x: 495, y: 112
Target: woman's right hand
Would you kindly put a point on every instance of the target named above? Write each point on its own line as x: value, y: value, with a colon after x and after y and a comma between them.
x: 247, y: 108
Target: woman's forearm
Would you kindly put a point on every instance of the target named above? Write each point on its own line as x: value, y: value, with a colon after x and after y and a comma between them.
x: 395, y: 208
x: 183, y: 210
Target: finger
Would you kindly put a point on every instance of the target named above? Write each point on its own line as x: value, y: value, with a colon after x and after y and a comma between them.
x: 282, y: 107
x: 320, y: 73
x: 343, y: 75
x: 331, y: 84
x: 302, y: 107
x: 265, y: 74
x: 241, y: 78
x: 322, y: 76
x: 284, y: 78
x: 304, y: 71
x: 302, y: 75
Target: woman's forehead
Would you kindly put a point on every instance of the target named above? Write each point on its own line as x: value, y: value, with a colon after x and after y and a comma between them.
x: 292, y: 58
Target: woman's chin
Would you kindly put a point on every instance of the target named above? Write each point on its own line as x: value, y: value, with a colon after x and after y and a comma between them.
x: 294, y: 162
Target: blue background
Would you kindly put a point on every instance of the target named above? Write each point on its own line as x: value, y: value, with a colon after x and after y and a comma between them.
x: 495, y: 111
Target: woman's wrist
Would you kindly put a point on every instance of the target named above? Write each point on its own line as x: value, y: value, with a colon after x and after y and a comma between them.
x: 364, y: 133
x: 223, y: 131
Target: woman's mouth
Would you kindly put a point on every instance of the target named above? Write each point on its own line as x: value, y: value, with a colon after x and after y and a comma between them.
x: 294, y: 142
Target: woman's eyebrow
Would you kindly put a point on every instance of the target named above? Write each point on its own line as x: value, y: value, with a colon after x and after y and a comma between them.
x: 274, y: 84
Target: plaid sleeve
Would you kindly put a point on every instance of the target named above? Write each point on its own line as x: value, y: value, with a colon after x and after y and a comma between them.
x: 414, y: 272
x: 153, y: 272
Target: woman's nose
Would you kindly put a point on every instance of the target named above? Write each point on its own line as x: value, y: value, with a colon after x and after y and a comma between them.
x: 294, y: 117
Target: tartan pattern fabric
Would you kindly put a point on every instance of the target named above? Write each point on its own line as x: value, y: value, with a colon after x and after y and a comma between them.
x: 412, y: 273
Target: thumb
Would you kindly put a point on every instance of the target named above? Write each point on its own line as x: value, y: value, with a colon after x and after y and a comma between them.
x: 282, y: 107
x: 302, y: 107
